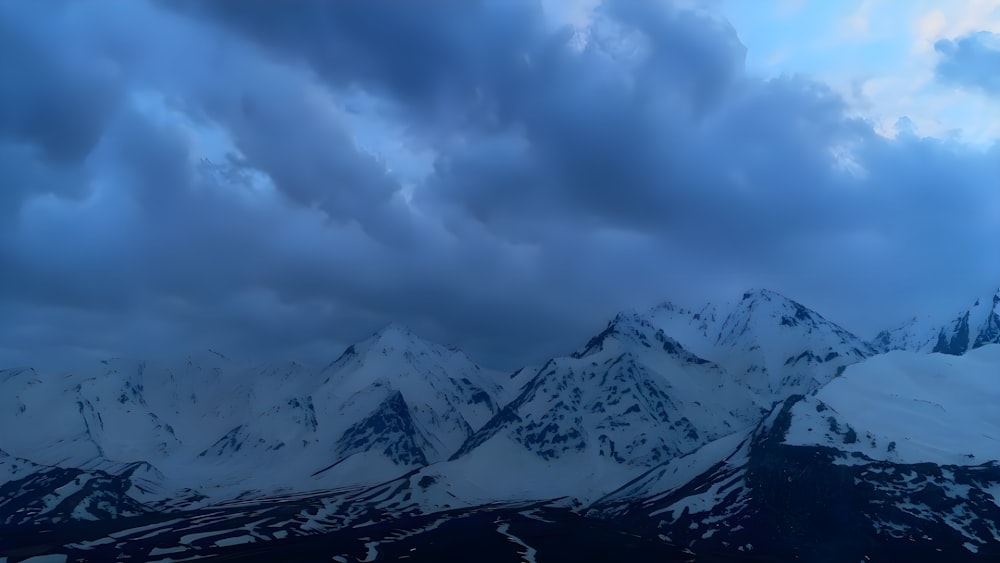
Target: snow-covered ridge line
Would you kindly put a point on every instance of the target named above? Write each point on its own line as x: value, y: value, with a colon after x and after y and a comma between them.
x: 653, y: 386
x: 971, y: 328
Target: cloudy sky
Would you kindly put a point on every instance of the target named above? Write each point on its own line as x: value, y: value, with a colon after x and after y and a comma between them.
x: 278, y: 179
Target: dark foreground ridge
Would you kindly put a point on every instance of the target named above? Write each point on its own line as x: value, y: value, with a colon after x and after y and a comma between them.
x: 490, y: 534
x: 487, y: 534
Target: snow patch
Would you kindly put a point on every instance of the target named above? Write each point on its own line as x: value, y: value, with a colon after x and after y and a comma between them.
x: 237, y: 540
x: 529, y: 553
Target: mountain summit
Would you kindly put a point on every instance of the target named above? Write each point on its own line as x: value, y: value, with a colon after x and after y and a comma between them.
x: 767, y: 342
x: 971, y: 328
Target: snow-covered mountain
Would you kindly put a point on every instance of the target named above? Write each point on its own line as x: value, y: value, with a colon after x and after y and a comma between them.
x: 630, y: 398
x: 971, y: 328
x: 755, y: 427
x: 897, y: 458
x: 633, y: 397
x: 439, y: 392
x: 766, y: 341
x: 389, y: 404
x: 632, y: 393
x: 777, y: 346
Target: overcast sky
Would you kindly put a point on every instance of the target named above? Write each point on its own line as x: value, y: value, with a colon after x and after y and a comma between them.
x: 276, y: 180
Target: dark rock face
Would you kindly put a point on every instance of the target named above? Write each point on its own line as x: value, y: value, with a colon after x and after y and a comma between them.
x: 955, y: 341
x: 389, y: 428
x: 990, y: 333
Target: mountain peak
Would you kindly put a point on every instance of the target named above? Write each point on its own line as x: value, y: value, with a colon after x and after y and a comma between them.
x: 763, y: 294
x: 443, y: 394
x: 396, y: 339
x: 972, y: 328
x: 628, y: 324
x: 396, y: 335
x: 633, y: 331
x: 789, y: 311
x: 394, y: 329
x: 771, y: 339
x: 392, y: 339
x: 995, y: 297
x: 668, y: 306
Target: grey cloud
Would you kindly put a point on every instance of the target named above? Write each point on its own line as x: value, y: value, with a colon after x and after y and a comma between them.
x: 971, y: 61
x: 54, y: 105
x: 293, y: 137
x: 566, y: 183
x: 434, y: 55
x: 50, y: 97
x: 691, y: 51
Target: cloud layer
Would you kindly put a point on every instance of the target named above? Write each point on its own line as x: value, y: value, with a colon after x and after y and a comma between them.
x: 278, y: 179
x: 972, y: 60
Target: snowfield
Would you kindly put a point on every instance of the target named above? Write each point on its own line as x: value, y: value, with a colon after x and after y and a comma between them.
x: 907, y: 407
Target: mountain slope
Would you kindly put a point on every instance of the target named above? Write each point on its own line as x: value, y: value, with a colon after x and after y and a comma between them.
x: 632, y: 397
x: 895, y: 459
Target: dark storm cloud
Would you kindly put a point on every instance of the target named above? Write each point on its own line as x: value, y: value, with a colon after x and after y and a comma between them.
x: 569, y: 177
x: 972, y: 61
x: 48, y: 96
x: 507, y: 82
x: 53, y: 105
x: 434, y: 55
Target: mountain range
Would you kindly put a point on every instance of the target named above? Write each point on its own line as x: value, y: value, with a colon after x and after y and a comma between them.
x: 753, y: 429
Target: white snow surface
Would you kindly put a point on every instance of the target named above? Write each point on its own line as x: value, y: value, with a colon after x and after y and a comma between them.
x: 930, y: 407
x: 696, y: 329
x: 53, y: 558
